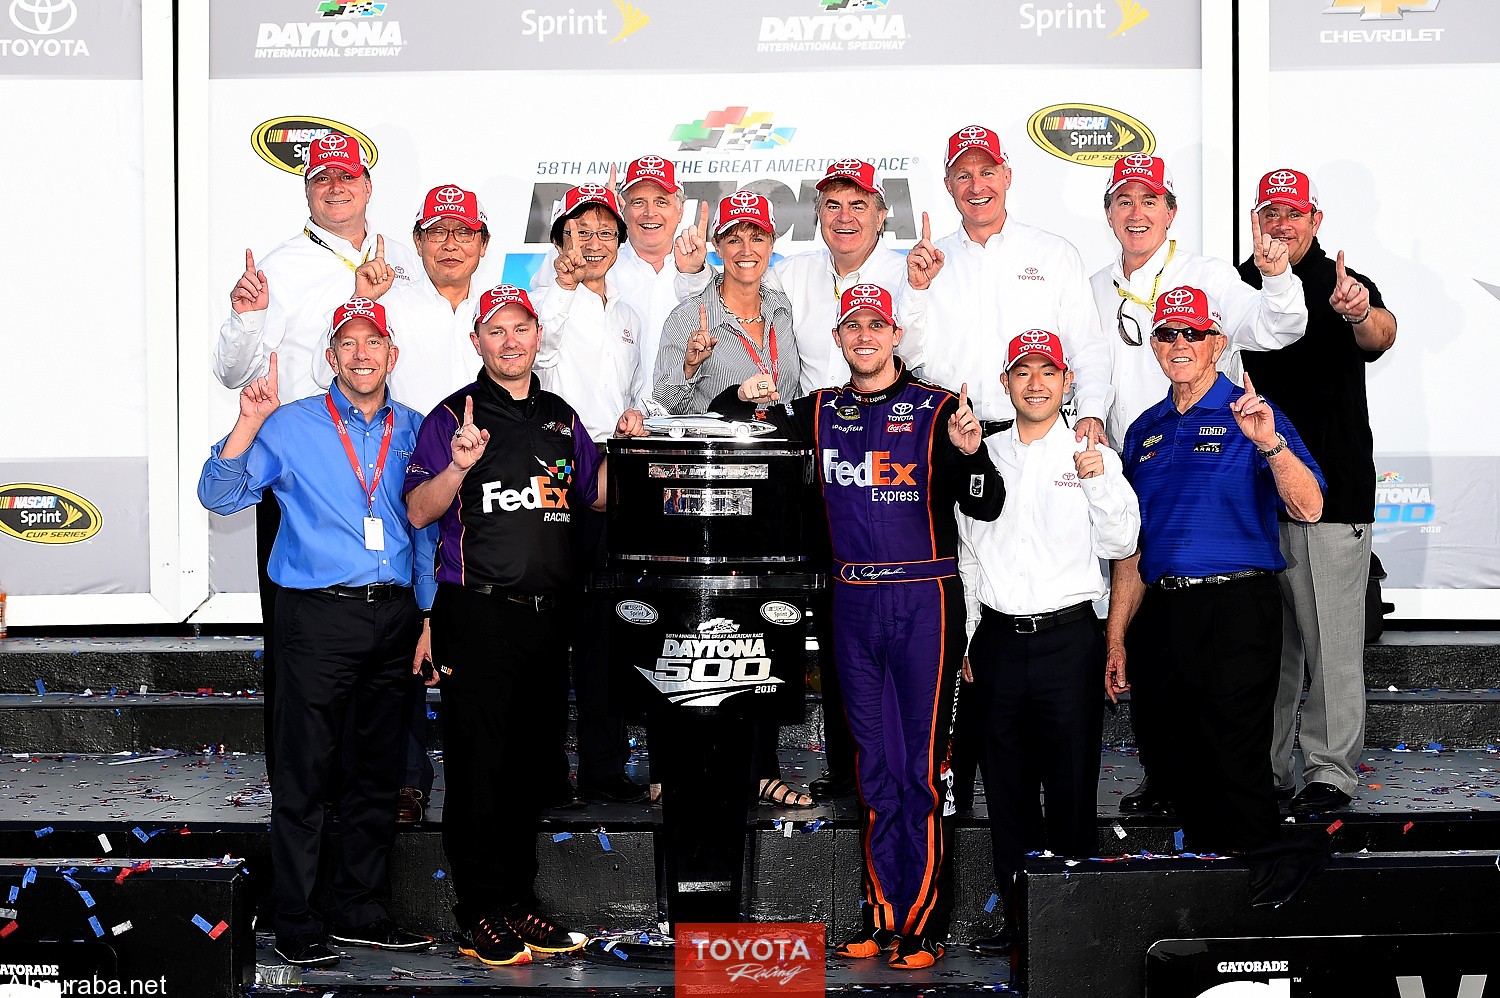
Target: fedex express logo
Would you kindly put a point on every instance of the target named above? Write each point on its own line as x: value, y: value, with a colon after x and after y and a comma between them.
x: 877, y: 472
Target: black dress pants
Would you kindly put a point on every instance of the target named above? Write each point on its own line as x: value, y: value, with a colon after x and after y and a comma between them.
x: 344, y: 665
x: 603, y: 744
x: 498, y: 735
x: 267, y: 523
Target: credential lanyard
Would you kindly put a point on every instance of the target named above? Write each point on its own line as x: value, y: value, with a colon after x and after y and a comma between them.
x: 755, y: 354
x: 353, y: 267
x: 385, y: 450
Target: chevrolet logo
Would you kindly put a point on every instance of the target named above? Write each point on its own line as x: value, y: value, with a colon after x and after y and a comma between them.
x: 1380, y: 10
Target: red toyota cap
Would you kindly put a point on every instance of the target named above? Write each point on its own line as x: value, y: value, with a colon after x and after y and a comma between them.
x: 334, y: 149
x: 1141, y: 169
x: 653, y: 168
x: 450, y: 201
x: 360, y: 308
x: 975, y: 137
x: 745, y: 206
x: 857, y: 172
x: 1186, y: 305
x: 871, y: 296
x: 497, y: 298
x: 1036, y: 341
x: 1288, y: 187
x: 585, y: 194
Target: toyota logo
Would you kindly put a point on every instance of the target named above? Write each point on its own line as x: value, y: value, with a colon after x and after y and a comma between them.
x: 1283, y: 178
x: 847, y: 164
x: 1180, y: 296
x: 902, y: 408
x: 972, y: 132
x: 48, y: 17
x: 652, y: 163
x: 359, y: 304
x: 744, y: 199
x: 505, y: 291
x: 1140, y: 160
x: 1034, y: 336
x: 333, y: 142
x: 865, y: 291
x: 449, y: 195
x: 586, y: 191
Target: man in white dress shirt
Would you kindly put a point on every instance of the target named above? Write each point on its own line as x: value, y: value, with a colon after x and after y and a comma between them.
x: 974, y: 290
x: 1036, y: 650
x: 1140, y: 202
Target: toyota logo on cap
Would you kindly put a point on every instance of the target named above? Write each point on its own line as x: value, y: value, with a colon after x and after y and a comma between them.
x: 847, y: 164
x: 866, y: 290
x: 333, y: 142
x: 1038, y: 342
x: 449, y: 195
x: 1283, y: 178
x: 1181, y: 296
x: 590, y: 191
x: 972, y: 132
x: 652, y: 163
x: 743, y: 199
x: 359, y: 304
x: 1034, y: 336
x: 1140, y: 160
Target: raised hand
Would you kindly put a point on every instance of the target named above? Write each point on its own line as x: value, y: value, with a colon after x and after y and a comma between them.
x: 1089, y: 462
x: 700, y: 345
x: 1255, y: 418
x: 759, y: 388
x: 925, y: 259
x: 374, y: 278
x: 259, y: 398
x: 632, y: 423
x: 468, y: 440
x: 252, y: 293
x: 569, y: 266
x: 963, y: 428
x: 1271, y: 256
x: 690, y: 248
x: 1349, y: 297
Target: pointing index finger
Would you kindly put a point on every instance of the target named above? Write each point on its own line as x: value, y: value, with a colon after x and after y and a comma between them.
x: 963, y: 395
x: 702, y: 316
x: 1339, y: 268
x: 1249, y: 387
x: 1255, y: 227
x: 249, y: 262
x: 468, y: 410
x: 703, y: 220
x: 379, y: 247
x: 926, y: 228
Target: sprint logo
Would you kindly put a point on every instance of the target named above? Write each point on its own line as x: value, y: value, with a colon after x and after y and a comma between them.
x: 575, y: 24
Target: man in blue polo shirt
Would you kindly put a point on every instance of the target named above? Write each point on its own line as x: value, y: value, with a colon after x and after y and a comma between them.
x: 1196, y: 611
x: 346, y: 623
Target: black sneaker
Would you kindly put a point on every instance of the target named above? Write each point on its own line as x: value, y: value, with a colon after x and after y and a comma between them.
x: 541, y: 934
x: 916, y: 952
x: 306, y: 951
x: 490, y: 941
x: 382, y: 934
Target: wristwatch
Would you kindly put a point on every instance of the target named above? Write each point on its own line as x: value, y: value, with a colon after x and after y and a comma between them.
x: 1280, y: 446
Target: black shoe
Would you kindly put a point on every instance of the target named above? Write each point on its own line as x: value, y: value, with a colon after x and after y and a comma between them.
x: 540, y: 933
x: 1145, y: 799
x: 382, y: 934
x: 1284, y: 794
x: 999, y: 944
x: 306, y: 951
x: 618, y: 788
x: 562, y: 797
x: 1319, y: 798
x: 831, y: 786
x: 867, y: 943
x: 916, y: 952
x: 491, y: 942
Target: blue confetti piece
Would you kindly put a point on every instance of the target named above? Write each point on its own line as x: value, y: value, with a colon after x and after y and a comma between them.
x: 88, y: 899
x: 259, y: 653
x: 439, y: 874
x: 645, y: 939
x: 94, y: 924
x: 202, y: 923
x: 1434, y: 747
x: 604, y: 842
x: 15, y: 892
x: 112, y: 691
x: 431, y: 714
x: 1401, y: 748
x: 1177, y: 840
x: 989, y: 906
x: 29, y: 877
x: 136, y: 831
x: 72, y: 883
x: 632, y: 743
x: 41, y: 688
x: 620, y: 953
x: 562, y: 836
x: 44, y: 831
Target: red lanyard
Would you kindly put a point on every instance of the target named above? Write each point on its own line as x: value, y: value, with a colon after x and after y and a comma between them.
x: 755, y: 355
x: 385, y: 449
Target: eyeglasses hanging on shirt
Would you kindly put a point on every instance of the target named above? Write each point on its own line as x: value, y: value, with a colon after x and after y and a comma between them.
x: 1148, y: 304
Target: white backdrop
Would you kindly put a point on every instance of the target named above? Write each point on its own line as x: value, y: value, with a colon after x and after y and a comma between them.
x: 518, y: 101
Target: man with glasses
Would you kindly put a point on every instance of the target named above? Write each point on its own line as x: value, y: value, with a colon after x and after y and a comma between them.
x: 1196, y: 612
x: 1320, y: 382
x: 590, y: 356
x: 283, y: 303
x: 1140, y: 203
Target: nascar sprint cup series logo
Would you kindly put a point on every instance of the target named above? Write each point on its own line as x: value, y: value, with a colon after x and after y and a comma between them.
x: 1089, y: 134
x: 283, y: 142
x: 716, y: 662
x: 45, y: 514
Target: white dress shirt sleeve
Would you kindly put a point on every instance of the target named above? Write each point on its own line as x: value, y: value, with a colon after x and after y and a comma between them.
x: 968, y: 571
x: 1114, y: 512
x: 911, y: 312
x: 240, y: 353
x: 1083, y: 338
x: 1268, y: 319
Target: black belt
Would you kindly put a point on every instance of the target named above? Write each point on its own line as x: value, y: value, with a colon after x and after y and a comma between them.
x: 537, y: 603
x: 1035, y: 622
x: 990, y: 427
x: 1184, y: 581
x: 376, y: 592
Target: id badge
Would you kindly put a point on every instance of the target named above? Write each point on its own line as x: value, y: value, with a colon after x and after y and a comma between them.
x: 374, y: 534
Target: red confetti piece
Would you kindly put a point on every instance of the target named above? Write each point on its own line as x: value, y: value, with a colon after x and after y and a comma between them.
x: 1407, y: 827
x: 9, y: 928
x: 205, y: 690
x: 1335, y: 826
x: 140, y: 867
x: 1377, y: 786
x: 218, y: 930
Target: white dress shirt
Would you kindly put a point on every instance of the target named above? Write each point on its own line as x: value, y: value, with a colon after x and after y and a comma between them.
x: 651, y: 292
x: 814, y: 287
x: 437, y: 356
x: 1050, y: 547
x: 306, y: 283
x: 1267, y: 319
x: 958, y: 330
x: 590, y: 353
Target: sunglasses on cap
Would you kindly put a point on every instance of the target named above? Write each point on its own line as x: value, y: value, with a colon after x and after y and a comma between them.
x: 1166, y: 334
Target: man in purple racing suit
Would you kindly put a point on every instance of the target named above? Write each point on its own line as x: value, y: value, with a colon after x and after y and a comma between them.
x: 895, y: 453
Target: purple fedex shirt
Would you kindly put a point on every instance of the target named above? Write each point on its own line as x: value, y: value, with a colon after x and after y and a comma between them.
x: 509, y: 526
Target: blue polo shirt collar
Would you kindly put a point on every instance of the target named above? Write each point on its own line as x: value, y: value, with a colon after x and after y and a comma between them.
x: 351, y: 411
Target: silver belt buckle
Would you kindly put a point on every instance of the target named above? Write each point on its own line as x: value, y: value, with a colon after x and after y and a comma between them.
x: 1025, y: 630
